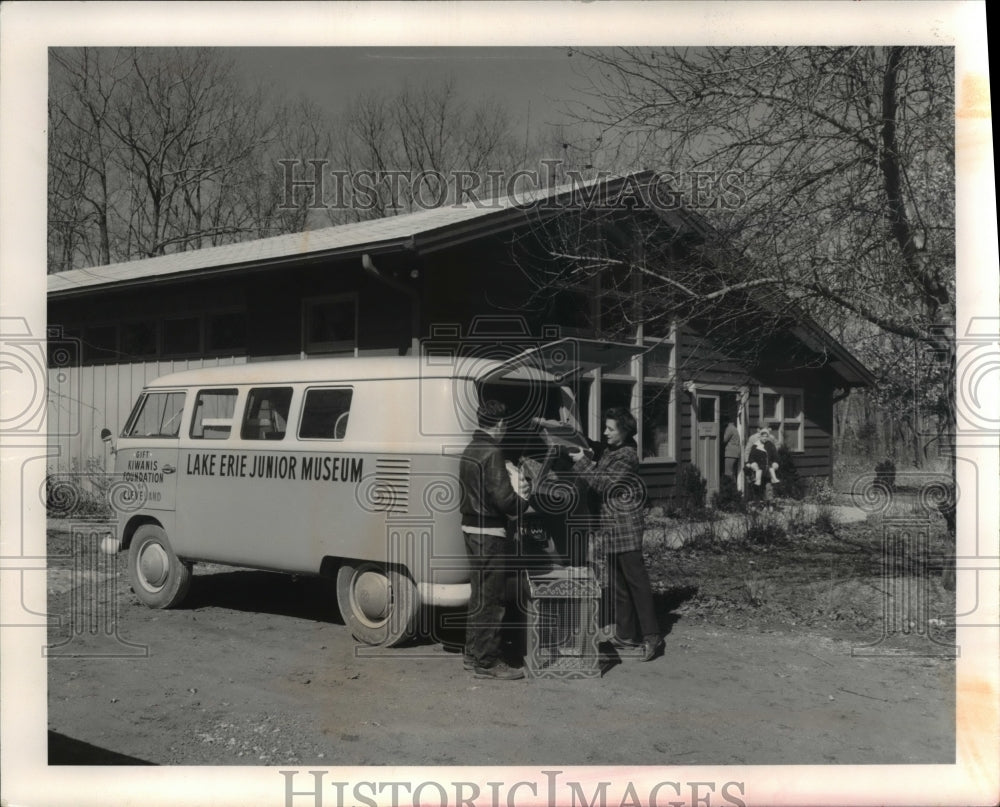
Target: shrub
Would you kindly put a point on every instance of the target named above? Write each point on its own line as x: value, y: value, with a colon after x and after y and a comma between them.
x: 762, y: 527
x: 689, y: 491
x: 820, y: 491
x: 80, y: 493
x: 755, y: 588
x: 728, y: 497
x: 797, y: 519
x: 791, y: 485
x: 702, y: 536
x: 825, y: 520
x: 885, y: 475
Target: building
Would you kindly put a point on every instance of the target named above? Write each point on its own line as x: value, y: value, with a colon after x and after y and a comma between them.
x: 390, y: 286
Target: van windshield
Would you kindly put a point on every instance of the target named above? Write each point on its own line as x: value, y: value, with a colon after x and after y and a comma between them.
x: 156, y: 414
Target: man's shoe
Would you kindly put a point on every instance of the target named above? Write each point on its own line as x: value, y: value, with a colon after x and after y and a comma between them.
x: 652, y: 647
x: 624, y: 644
x: 468, y: 663
x: 500, y: 670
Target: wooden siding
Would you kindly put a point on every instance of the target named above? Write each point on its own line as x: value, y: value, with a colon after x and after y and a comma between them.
x: 84, y: 400
x: 699, y: 361
x: 816, y: 386
x: 454, y: 285
x: 659, y: 480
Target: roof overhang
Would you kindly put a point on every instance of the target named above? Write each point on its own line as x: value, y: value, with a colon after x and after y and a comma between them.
x: 840, y: 360
x: 418, y: 233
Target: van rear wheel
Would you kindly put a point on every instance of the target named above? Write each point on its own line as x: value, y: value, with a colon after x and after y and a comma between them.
x: 379, y: 605
x: 158, y: 577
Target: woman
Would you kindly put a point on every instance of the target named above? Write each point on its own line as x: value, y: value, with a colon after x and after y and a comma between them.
x: 615, y: 477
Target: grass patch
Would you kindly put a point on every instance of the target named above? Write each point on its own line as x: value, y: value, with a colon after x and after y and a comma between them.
x: 812, y: 573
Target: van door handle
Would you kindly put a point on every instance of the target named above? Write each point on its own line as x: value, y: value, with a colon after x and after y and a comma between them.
x: 169, y: 469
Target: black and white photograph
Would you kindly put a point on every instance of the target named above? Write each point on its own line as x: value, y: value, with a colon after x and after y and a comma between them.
x: 498, y: 404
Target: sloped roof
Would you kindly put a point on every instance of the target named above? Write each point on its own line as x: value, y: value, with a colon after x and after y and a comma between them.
x: 422, y: 231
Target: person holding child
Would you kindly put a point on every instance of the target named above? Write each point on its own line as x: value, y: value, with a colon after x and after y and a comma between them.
x: 761, y: 464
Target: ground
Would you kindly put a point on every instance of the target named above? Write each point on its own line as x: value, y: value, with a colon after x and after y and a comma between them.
x: 767, y: 661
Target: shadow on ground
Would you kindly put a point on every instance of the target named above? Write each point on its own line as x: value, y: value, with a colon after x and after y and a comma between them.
x: 65, y: 750
x: 313, y: 598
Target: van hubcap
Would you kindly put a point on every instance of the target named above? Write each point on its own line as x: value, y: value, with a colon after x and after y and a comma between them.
x: 154, y: 565
x: 371, y: 593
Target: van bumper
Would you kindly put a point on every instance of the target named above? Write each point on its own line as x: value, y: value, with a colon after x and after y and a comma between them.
x: 444, y: 595
x: 111, y: 544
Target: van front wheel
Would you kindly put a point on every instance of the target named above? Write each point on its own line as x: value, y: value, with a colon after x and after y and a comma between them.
x: 379, y: 605
x: 158, y: 577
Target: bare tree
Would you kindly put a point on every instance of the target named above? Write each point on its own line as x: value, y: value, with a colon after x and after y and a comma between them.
x: 422, y: 147
x: 158, y: 150
x: 827, y: 172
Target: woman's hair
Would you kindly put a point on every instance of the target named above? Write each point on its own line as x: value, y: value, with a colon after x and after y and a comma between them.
x: 623, y: 419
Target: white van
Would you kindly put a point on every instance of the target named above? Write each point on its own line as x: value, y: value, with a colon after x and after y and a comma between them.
x: 346, y: 468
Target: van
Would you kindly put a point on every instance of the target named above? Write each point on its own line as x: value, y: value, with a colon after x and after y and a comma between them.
x: 344, y: 468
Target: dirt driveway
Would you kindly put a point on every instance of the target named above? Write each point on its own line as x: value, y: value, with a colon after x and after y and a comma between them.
x: 258, y: 669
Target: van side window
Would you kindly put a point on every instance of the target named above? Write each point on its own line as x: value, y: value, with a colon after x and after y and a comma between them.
x: 157, y: 414
x: 213, y: 414
x: 325, y: 414
x: 266, y: 414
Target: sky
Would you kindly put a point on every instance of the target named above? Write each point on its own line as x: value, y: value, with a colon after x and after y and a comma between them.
x: 535, y: 83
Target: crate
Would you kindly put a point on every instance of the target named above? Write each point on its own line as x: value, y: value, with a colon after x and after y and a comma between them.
x: 562, y: 607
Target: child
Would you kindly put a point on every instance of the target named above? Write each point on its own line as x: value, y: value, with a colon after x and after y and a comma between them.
x: 762, y: 455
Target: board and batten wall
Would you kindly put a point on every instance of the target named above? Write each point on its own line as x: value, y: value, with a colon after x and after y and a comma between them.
x: 84, y: 400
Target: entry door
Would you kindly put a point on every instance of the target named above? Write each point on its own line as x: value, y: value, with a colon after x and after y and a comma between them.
x: 706, y: 450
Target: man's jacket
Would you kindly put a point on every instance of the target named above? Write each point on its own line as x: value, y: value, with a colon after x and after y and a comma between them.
x: 487, y: 496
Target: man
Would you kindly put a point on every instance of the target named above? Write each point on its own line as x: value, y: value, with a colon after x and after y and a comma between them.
x: 488, y: 501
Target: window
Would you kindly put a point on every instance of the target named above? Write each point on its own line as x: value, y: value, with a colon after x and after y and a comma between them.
x: 266, y: 415
x: 325, y: 414
x: 226, y: 332
x: 615, y: 393
x: 213, y: 414
x: 100, y: 343
x: 63, y: 346
x: 781, y: 412
x: 657, y: 393
x: 656, y: 442
x: 331, y: 324
x: 138, y: 340
x: 156, y: 414
x: 182, y: 336
x: 651, y: 401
